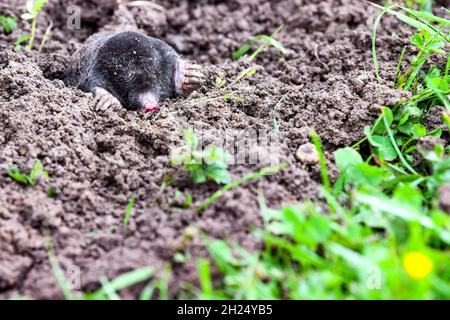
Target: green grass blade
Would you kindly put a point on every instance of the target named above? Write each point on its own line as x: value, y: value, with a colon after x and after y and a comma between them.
x: 374, y: 40
x: 108, y: 289
x: 397, y: 83
x: 276, y: 128
x: 266, y: 43
x: 57, y: 271
x: 46, y: 36
x: 147, y: 292
x: 394, y: 144
x: 205, y: 279
x: 323, y: 164
x: 428, y: 16
x: 129, y: 211
x: 126, y: 280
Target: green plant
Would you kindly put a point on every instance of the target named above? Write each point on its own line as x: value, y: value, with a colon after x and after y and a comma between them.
x: 382, y: 234
x: 429, y: 39
x: 8, y: 23
x: 267, y: 41
x: 202, y: 165
x: 275, y: 126
x: 18, y: 45
x: 28, y: 179
x: 34, y: 7
x: 129, y: 211
x: 371, y: 247
x: 394, y: 136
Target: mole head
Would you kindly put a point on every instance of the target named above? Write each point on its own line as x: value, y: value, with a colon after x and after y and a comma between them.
x: 138, y: 70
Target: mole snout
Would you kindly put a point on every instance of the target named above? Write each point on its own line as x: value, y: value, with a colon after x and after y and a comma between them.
x: 132, y: 70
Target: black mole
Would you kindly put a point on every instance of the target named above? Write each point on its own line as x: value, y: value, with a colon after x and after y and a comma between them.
x: 131, y: 70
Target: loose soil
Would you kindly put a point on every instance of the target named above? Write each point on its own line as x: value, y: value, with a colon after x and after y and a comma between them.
x: 96, y: 162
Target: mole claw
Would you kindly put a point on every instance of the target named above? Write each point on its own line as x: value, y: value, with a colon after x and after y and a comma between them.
x: 105, y: 101
x: 192, y: 76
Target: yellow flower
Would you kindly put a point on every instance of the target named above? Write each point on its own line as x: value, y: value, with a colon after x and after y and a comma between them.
x: 417, y: 265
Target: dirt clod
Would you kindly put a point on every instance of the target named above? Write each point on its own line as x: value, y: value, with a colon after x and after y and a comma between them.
x: 307, y: 154
x: 444, y: 198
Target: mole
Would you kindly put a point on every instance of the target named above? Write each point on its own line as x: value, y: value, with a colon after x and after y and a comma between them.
x: 128, y: 69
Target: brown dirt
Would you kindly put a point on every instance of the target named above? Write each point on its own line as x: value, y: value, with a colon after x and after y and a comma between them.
x: 97, y: 161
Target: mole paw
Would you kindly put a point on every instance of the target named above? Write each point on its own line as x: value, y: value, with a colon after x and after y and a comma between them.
x: 193, y: 77
x: 105, y: 101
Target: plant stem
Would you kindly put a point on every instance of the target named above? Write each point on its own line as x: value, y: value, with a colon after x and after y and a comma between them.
x: 394, y: 144
x: 33, y: 34
x: 265, y: 44
x: 46, y: 36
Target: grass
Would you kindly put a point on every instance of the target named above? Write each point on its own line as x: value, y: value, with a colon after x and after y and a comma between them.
x: 267, y: 41
x: 129, y: 211
x: 46, y: 37
x: 357, y: 252
x: 382, y: 235
x: 275, y: 125
x: 109, y: 288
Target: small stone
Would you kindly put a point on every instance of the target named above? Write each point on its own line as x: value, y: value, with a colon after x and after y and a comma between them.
x: 444, y: 198
x: 307, y: 154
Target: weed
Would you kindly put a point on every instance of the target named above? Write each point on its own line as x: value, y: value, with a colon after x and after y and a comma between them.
x: 18, y: 45
x: 383, y: 220
x: 394, y: 136
x: 57, y: 271
x: 422, y: 5
x: 211, y: 163
x: 323, y: 165
x: 34, y: 8
x: 267, y: 41
x: 28, y: 179
x: 246, y: 73
x: 129, y: 211
x: 205, y: 279
x: 8, y: 23
x: 219, y: 82
x: 309, y: 254
x: 245, y: 48
x: 46, y: 37
x: 167, y: 181
x: 275, y: 125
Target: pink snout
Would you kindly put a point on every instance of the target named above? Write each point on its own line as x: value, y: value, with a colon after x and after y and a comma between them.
x: 150, y: 108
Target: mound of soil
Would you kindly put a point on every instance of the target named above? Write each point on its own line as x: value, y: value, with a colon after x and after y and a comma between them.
x: 97, y: 161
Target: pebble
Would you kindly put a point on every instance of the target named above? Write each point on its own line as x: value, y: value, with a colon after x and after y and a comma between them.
x: 307, y: 154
